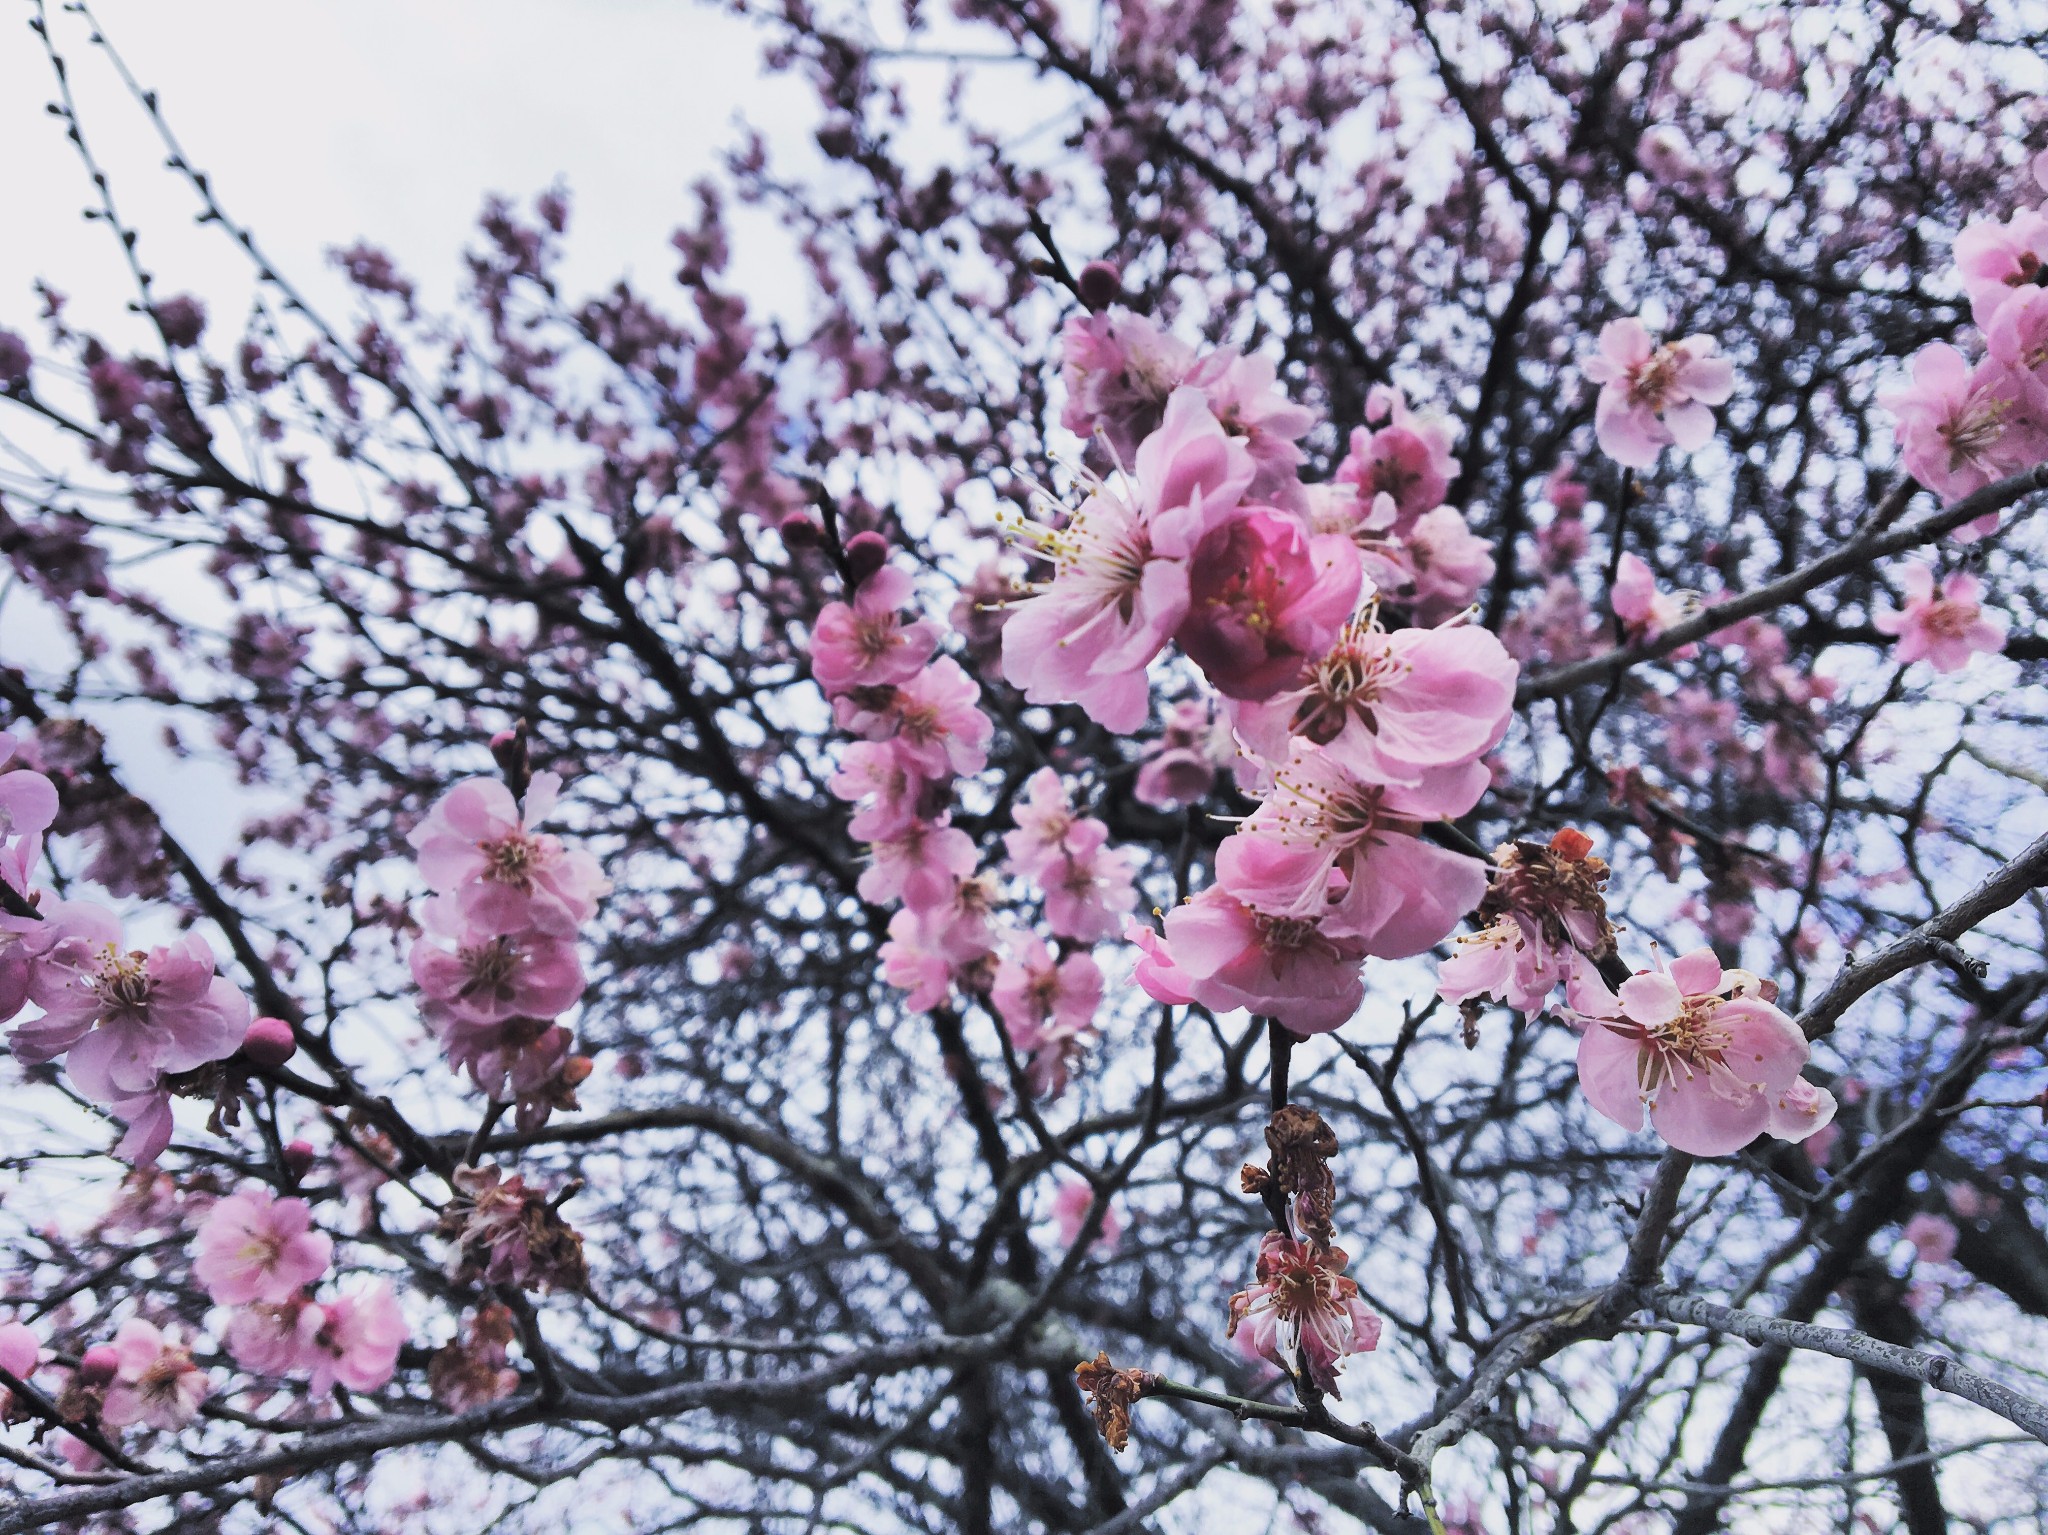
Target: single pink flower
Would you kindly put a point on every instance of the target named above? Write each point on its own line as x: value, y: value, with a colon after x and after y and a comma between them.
x: 126, y: 1018
x: 1653, y: 397
x: 1447, y: 564
x: 358, y: 1340
x: 479, y: 848
x: 1944, y: 631
x: 1961, y: 428
x: 1393, y: 706
x: 1245, y: 396
x: 21, y: 1352
x: 155, y: 1381
x: 1933, y: 1236
x: 1644, y: 611
x: 1263, y: 598
x: 2017, y: 337
x: 1048, y: 832
x: 880, y: 774
x: 1715, y: 1064
x: 1330, y: 846
x: 487, y: 980
x: 1042, y: 999
x: 1071, y: 1202
x: 1999, y: 260
x: 1119, y: 369
x: 275, y: 1340
x: 1303, y: 1311
x: 937, y: 723
x: 918, y: 959
x: 254, y: 1246
x: 866, y: 643
x: 918, y: 866
x: 1501, y: 961
x: 1088, y: 896
x: 1408, y: 458
x: 1288, y: 968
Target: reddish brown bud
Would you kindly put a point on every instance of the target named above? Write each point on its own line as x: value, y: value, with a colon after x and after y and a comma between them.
x: 99, y: 1366
x: 298, y: 1158
x: 800, y: 532
x: 866, y: 553
x: 1099, y: 285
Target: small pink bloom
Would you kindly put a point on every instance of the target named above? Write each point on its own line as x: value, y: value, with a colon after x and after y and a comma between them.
x: 1999, y: 260
x: 1502, y: 962
x: 487, y: 980
x: 1962, y: 428
x: 1944, y: 631
x: 1071, y: 1203
x: 254, y: 1246
x: 1231, y: 956
x: 1933, y: 1237
x: 1244, y: 395
x: 1087, y: 897
x: 358, y: 1340
x: 21, y: 1352
x: 1644, y: 611
x: 939, y: 728
x: 918, y: 958
x: 919, y: 866
x: 1408, y: 458
x: 481, y: 850
x: 1180, y: 769
x: 1041, y: 1000
x: 274, y: 1340
x: 881, y: 774
x: 1263, y: 598
x: 1391, y: 707
x: 1048, y: 832
x: 155, y: 1383
x: 1447, y: 565
x: 1303, y: 1311
x: 2017, y: 337
x: 1653, y: 397
x: 1119, y: 368
x: 1714, y: 1063
x: 866, y: 643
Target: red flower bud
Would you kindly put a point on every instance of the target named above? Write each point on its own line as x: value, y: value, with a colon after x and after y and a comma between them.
x: 269, y: 1042
x: 866, y: 553
x: 99, y: 1366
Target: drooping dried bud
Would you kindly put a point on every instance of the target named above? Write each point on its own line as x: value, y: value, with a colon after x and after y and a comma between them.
x: 269, y: 1042
x: 1557, y: 890
x: 1302, y: 1145
x: 1110, y: 1393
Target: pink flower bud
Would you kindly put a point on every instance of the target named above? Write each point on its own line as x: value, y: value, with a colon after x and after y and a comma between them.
x: 1100, y: 284
x: 801, y: 532
x: 99, y: 1366
x: 269, y: 1042
x: 298, y: 1158
x: 866, y: 553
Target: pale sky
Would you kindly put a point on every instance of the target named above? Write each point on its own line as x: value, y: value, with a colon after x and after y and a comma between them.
x: 322, y: 122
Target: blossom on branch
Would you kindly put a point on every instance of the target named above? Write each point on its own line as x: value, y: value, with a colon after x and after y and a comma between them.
x: 1653, y: 397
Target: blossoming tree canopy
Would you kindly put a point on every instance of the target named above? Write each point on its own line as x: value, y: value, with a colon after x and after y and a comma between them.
x: 1243, y: 823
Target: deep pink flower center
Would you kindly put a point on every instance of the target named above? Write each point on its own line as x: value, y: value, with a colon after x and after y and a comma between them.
x: 511, y: 860
x: 1655, y: 383
x: 123, y: 983
x: 1344, y: 685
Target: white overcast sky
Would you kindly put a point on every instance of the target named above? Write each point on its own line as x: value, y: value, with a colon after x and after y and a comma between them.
x: 325, y: 121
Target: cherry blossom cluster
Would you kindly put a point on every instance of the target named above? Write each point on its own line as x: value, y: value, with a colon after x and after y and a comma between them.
x: 920, y: 727
x: 130, y: 1025
x: 260, y: 1256
x: 497, y: 958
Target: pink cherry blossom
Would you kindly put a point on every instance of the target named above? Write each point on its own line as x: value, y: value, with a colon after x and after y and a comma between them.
x: 2017, y: 337
x: 1933, y: 1236
x: 1714, y: 1063
x: 1088, y: 896
x: 488, y: 980
x: 1245, y: 396
x: 1944, y: 631
x: 1041, y: 998
x: 127, y: 1018
x: 1998, y: 260
x: 1119, y: 368
x: 918, y: 959
x: 1653, y: 397
x: 1303, y: 1311
x: 1263, y: 598
x: 1048, y: 832
x: 1500, y: 962
x: 1961, y: 428
x: 1646, y: 612
x: 1180, y: 768
x: 1330, y: 846
x: 936, y: 722
x: 254, y: 1246
x: 357, y: 1342
x: 155, y: 1380
x: 1071, y: 1202
x: 479, y: 848
x: 1120, y: 578
x: 918, y: 866
x: 882, y: 776
x: 21, y: 1351
x: 274, y: 1339
x: 866, y: 643
x: 1407, y: 459
x: 1446, y: 562
x: 1392, y: 706
x: 1230, y: 956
